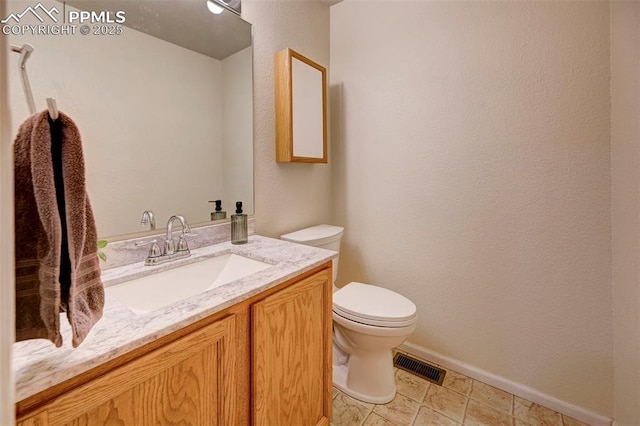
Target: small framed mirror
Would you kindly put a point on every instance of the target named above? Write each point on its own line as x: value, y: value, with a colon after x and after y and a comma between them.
x: 301, y: 109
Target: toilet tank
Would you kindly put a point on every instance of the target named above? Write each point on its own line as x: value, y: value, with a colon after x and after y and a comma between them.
x: 323, y: 236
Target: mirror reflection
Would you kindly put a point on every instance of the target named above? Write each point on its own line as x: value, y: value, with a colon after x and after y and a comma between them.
x: 164, y: 108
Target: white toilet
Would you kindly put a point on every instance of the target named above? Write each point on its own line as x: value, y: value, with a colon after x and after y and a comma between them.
x: 368, y: 322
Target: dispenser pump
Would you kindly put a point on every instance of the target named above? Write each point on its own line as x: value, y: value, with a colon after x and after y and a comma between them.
x: 238, y: 207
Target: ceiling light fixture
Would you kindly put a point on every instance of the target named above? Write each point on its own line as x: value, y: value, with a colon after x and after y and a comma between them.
x: 214, y: 8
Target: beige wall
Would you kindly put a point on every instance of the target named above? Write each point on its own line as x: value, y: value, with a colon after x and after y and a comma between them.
x: 287, y: 196
x: 625, y: 164
x: 472, y: 175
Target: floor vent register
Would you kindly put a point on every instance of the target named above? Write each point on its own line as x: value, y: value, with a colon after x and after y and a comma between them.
x: 419, y: 368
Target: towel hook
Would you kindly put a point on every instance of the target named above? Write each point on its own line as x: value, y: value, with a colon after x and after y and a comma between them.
x: 25, y: 52
x: 53, y: 108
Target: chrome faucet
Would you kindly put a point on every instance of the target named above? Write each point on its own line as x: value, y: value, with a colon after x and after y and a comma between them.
x: 169, y: 245
x: 170, y: 251
x: 148, y: 219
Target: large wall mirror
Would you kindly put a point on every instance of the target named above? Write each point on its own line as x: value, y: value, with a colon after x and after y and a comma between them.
x: 164, y: 107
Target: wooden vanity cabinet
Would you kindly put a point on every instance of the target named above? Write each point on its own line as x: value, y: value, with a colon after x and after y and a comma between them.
x: 265, y: 361
x: 189, y: 381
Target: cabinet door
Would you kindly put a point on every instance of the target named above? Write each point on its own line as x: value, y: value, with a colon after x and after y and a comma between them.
x: 189, y: 381
x: 291, y: 364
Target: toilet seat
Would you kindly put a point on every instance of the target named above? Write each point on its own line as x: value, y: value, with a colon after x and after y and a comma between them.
x: 372, y: 305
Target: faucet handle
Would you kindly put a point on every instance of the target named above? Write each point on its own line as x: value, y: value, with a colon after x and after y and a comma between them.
x: 154, y: 250
x: 182, y: 243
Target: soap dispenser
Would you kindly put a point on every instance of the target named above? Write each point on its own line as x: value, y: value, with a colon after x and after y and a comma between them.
x: 218, y: 214
x: 239, y: 226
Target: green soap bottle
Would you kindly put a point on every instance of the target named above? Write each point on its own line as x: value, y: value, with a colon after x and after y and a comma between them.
x: 218, y: 214
x: 239, y: 232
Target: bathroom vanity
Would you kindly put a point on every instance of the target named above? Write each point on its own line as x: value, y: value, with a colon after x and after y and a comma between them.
x: 256, y: 350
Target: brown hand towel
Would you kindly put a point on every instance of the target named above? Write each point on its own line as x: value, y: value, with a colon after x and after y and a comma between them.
x: 39, y: 236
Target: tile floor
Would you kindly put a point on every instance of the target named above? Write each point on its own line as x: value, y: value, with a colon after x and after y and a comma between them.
x: 459, y: 401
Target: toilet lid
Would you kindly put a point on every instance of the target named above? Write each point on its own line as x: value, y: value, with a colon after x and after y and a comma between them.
x: 315, y: 236
x: 373, y: 305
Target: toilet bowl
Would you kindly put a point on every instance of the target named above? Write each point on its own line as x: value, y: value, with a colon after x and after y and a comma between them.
x: 368, y: 322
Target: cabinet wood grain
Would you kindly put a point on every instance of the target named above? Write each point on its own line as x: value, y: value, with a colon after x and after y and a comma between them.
x: 189, y: 381
x: 35, y: 420
x: 292, y: 355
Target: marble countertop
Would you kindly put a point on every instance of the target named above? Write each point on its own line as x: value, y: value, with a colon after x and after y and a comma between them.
x: 38, y: 364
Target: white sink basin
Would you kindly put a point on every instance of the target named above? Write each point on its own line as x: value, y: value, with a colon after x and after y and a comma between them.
x: 154, y: 291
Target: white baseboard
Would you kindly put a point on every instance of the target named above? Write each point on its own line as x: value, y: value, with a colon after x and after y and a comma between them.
x: 507, y: 385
